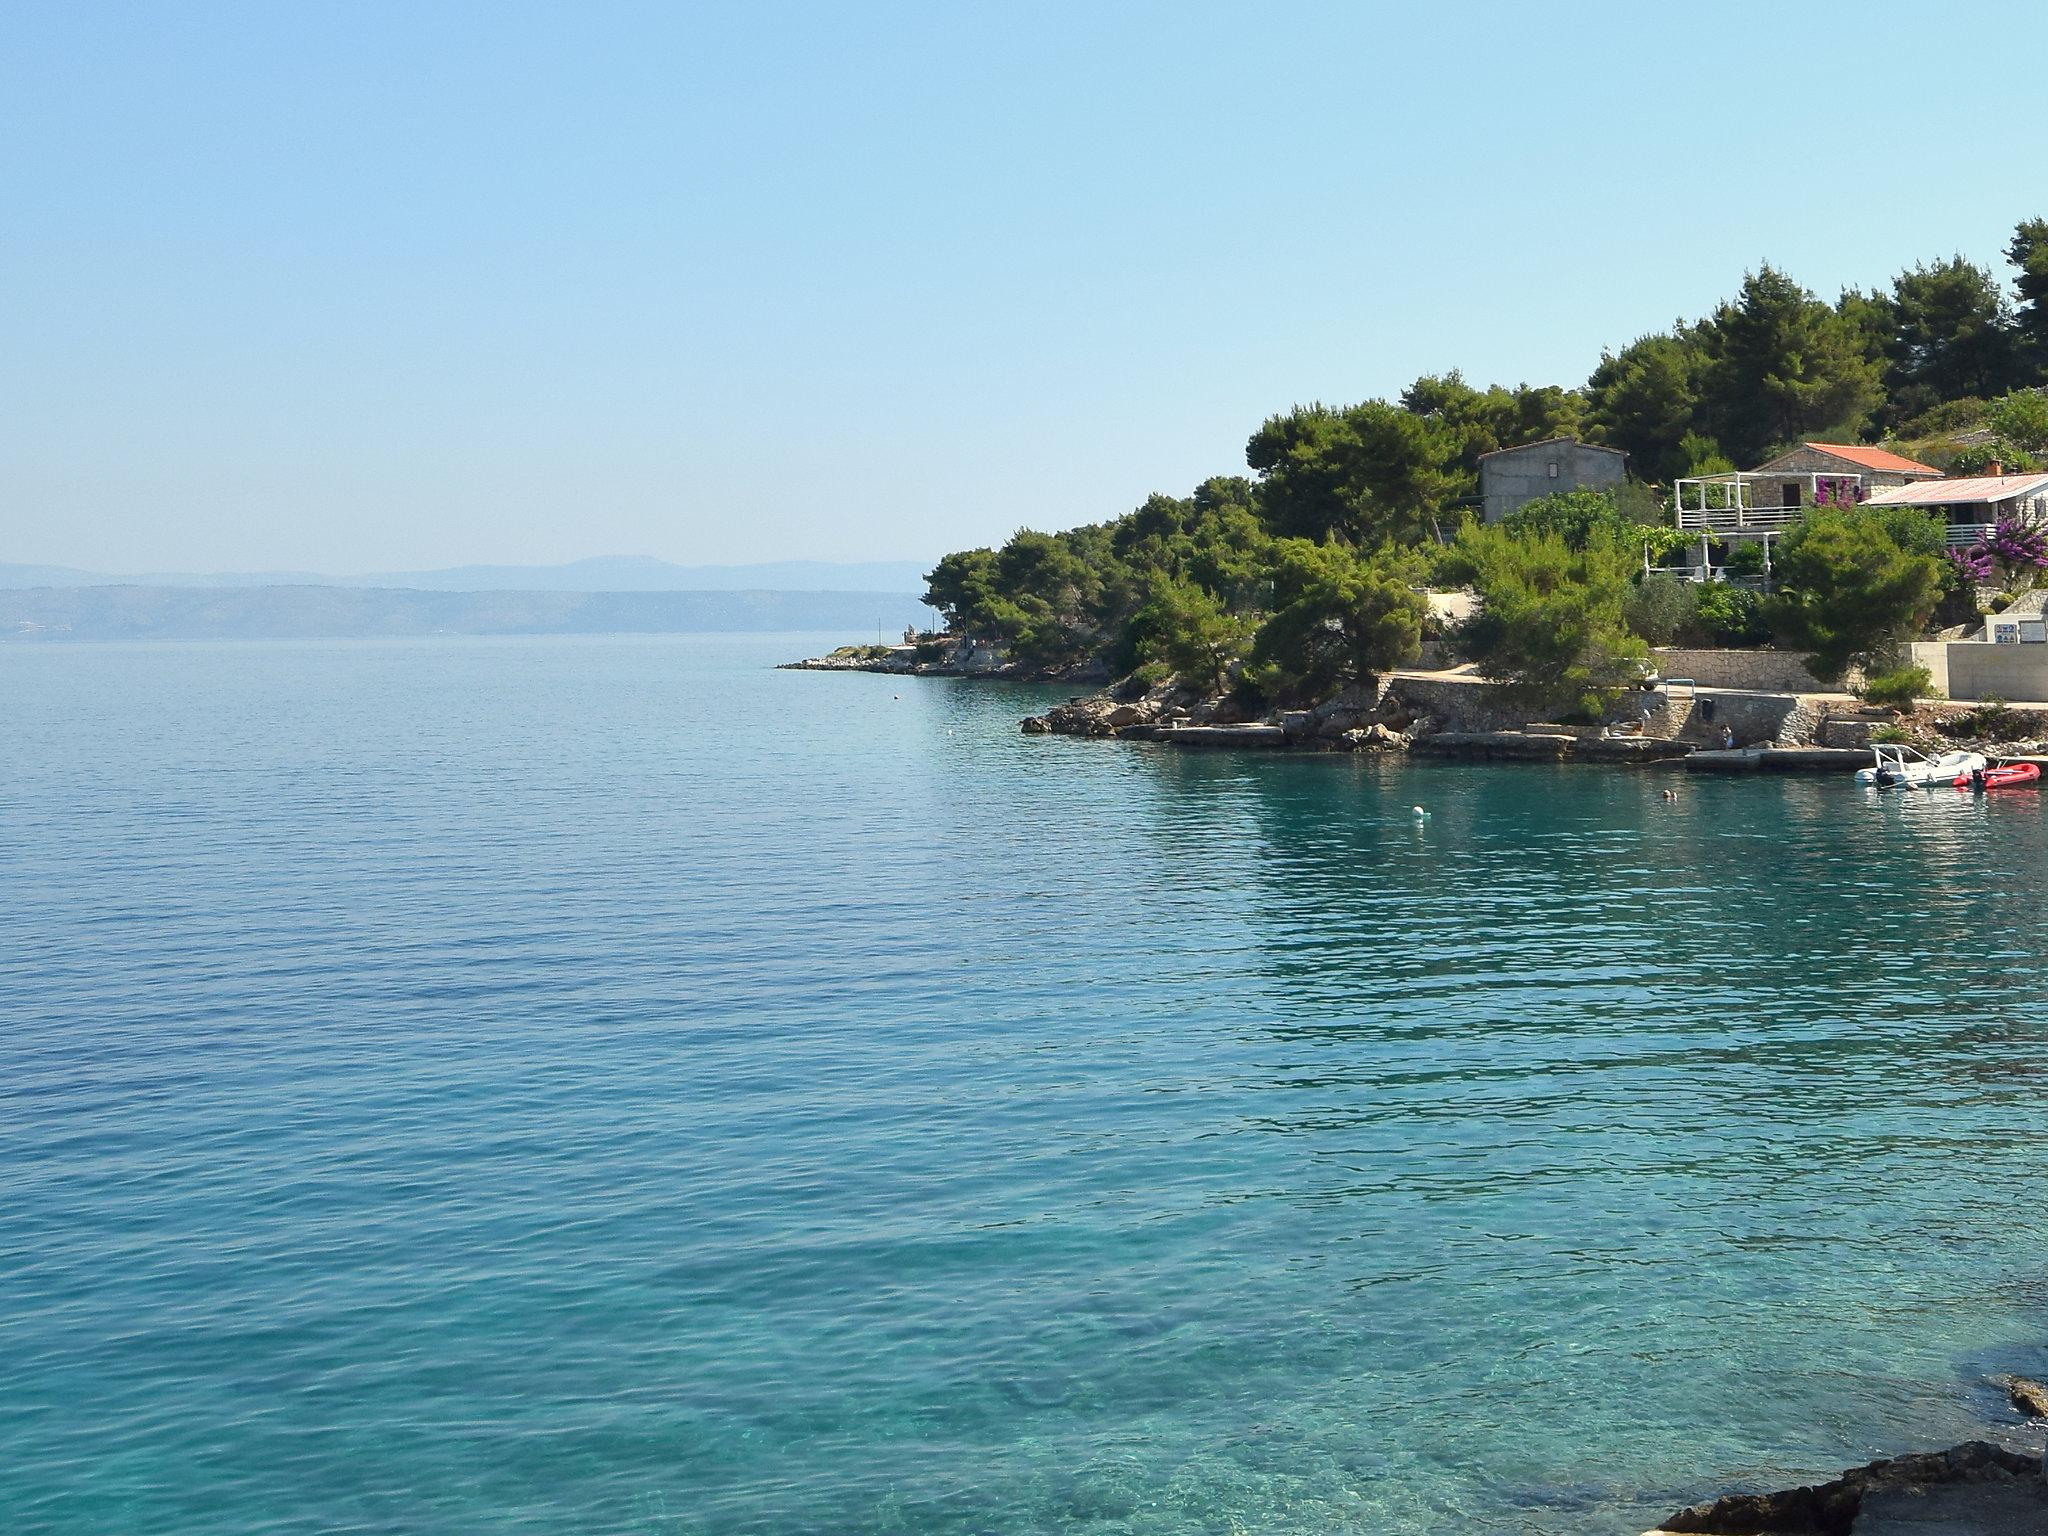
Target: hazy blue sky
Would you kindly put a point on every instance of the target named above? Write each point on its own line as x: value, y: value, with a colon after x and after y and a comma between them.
x: 351, y: 286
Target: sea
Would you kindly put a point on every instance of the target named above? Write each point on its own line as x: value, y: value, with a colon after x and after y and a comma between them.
x: 610, y: 1085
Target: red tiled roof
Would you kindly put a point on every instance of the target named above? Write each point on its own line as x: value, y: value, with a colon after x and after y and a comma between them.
x: 1875, y: 458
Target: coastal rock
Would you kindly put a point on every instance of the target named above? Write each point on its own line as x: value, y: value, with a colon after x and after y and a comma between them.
x: 1369, y: 738
x: 1037, y: 725
x: 2030, y: 1397
x: 1830, y: 1509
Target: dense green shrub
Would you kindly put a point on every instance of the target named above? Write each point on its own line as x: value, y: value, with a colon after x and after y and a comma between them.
x: 1728, y: 615
x: 1898, y: 687
x: 1745, y: 558
x: 1660, y: 608
x: 1992, y: 720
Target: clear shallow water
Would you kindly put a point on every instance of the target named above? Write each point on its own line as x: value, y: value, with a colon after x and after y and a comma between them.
x: 608, y: 1086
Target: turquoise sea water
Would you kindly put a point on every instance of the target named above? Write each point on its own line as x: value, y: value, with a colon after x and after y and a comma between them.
x: 609, y: 1086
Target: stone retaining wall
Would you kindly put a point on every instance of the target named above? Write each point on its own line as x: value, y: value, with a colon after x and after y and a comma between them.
x: 1459, y: 704
x: 1764, y: 671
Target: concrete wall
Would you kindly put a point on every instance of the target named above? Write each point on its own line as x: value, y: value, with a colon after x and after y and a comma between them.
x: 1970, y: 670
x: 1767, y: 671
x: 1933, y: 655
x: 1516, y: 476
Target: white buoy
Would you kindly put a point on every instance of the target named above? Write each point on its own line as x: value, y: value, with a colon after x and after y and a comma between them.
x: 1421, y: 814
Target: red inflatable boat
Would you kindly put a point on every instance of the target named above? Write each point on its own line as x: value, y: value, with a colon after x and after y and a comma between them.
x: 2001, y: 778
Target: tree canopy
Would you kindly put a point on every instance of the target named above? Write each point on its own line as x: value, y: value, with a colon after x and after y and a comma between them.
x: 1304, y: 573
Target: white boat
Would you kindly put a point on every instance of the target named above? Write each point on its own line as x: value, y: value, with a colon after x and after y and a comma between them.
x: 1908, y: 768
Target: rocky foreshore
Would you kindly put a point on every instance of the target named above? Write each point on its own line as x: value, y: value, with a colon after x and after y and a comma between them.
x: 1457, y: 713
x: 944, y: 657
x: 1454, y: 712
x: 1974, y: 1489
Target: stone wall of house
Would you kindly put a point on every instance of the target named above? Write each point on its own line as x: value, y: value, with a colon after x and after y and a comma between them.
x: 1806, y: 461
x: 1516, y: 476
x: 1766, y: 671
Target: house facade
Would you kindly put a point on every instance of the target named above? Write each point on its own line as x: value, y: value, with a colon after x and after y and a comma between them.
x: 1513, y: 477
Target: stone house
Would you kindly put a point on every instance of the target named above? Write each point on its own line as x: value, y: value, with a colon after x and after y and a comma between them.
x: 1762, y: 502
x: 1513, y: 477
x: 1874, y: 467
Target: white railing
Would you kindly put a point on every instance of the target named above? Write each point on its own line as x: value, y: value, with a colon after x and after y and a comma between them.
x: 1728, y: 503
x: 1739, y: 519
x: 1963, y: 535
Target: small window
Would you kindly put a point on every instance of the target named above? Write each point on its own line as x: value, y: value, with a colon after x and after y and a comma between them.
x: 1789, y: 494
x: 1553, y: 469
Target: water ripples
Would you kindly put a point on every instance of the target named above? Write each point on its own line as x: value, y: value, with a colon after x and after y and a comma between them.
x: 607, y: 1085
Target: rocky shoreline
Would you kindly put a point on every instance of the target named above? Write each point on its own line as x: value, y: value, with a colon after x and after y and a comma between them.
x: 1458, y: 715
x: 1973, y: 1489
x: 943, y: 658
x: 1461, y: 715
x: 1455, y: 713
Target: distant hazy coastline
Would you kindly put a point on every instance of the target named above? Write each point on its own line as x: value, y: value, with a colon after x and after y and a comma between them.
x: 129, y: 612
x: 606, y: 573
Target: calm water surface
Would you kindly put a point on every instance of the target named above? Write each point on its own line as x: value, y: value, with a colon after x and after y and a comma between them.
x: 608, y: 1086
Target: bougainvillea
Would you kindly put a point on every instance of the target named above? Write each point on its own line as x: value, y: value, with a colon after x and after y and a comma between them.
x: 1974, y: 565
x: 2010, y: 555
x: 2016, y: 546
x: 1838, y: 491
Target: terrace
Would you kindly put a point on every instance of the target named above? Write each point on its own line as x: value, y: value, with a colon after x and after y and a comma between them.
x: 1753, y: 503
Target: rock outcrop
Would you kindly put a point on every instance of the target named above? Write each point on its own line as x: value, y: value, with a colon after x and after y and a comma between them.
x: 2030, y: 1397
x: 1830, y: 1509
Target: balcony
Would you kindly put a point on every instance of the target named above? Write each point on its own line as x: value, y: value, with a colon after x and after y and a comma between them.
x: 1744, y: 503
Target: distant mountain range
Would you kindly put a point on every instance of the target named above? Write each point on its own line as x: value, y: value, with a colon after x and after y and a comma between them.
x: 608, y: 573
x: 133, y: 612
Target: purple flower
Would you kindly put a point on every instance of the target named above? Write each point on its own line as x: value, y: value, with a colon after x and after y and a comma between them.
x: 2014, y: 544
x: 1838, y: 491
x: 1973, y: 564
